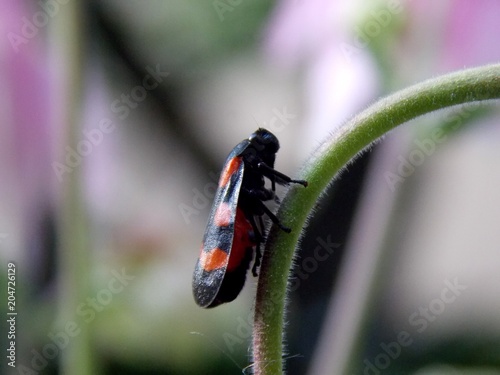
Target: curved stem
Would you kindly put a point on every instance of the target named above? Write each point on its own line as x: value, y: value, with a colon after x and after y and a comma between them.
x: 342, y: 147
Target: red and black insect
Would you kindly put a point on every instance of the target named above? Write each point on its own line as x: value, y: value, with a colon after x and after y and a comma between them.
x: 232, y: 232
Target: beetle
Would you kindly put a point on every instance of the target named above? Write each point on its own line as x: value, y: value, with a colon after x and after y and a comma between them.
x: 232, y: 232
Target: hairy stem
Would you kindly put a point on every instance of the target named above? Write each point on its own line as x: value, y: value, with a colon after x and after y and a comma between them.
x: 342, y: 147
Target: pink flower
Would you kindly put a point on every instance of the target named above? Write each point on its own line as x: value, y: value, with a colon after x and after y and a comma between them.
x: 25, y: 140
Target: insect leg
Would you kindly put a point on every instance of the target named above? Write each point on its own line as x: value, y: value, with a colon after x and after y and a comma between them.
x: 259, y: 239
x: 256, y: 264
x: 273, y: 218
x: 258, y: 253
x: 271, y: 173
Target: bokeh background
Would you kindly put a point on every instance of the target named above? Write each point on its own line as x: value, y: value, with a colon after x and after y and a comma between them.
x: 116, y: 117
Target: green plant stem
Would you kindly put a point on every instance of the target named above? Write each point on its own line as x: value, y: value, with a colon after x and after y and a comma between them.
x: 73, y: 252
x: 326, y: 162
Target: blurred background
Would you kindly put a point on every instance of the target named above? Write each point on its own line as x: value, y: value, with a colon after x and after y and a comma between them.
x: 116, y: 118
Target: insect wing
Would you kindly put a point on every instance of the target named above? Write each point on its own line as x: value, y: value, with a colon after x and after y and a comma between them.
x: 218, y: 239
